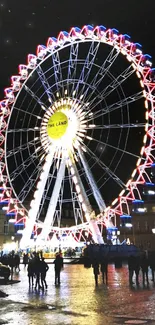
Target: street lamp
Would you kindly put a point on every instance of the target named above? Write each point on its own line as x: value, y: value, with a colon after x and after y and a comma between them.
x: 153, y: 230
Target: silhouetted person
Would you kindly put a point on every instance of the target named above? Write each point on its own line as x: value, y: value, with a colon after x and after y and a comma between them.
x: 137, y: 268
x: 37, y: 271
x: 43, y: 268
x: 11, y: 262
x: 152, y: 265
x: 144, y: 266
x: 134, y: 266
x: 25, y: 259
x: 31, y: 270
x: 104, y: 269
x: 58, y: 262
x: 17, y: 262
x: 95, y: 266
x: 131, y: 268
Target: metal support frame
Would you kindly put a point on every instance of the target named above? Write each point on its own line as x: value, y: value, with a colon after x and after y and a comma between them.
x: 53, y: 202
x: 35, y: 204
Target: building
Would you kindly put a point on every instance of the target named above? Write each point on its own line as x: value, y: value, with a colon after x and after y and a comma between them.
x: 143, y: 221
x: 8, y: 237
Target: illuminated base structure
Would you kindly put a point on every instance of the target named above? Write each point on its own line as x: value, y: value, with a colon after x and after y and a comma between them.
x: 77, y: 134
x: 61, y: 128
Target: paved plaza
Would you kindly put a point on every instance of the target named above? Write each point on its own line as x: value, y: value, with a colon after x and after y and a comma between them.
x: 77, y: 301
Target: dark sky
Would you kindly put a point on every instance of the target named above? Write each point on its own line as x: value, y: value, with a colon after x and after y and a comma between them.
x: 25, y: 24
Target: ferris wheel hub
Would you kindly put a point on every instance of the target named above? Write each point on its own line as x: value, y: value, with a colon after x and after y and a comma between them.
x: 57, y: 125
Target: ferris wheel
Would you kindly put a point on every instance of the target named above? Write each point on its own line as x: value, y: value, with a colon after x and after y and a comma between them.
x: 77, y: 134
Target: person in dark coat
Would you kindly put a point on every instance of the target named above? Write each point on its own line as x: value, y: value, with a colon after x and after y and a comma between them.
x: 25, y: 259
x: 44, y: 268
x: 131, y: 269
x: 144, y: 266
x: 137, y: 268
x: 104, y: 269
x: 58, y: 265
x: 31, y: 270
x: 134, y: 267
x: 95, y: 266
x: 17, y: 262
x: 152, y: 264
x: 11, y: 262
x: 37, y: 271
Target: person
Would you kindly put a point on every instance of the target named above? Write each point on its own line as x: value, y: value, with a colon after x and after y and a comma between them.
x: 43, y: 268
x: 104, y: 269
x: 37, y: 271
x: 96, y: 272
x: 152, y: 264
x: 31, y: 270
x: 131, y: 269
x: 25, y: 259
x: 17, y: 262
x: 11, y: 262
x: 137, y: 268
x: 58, y: 265
x: 144, y: 266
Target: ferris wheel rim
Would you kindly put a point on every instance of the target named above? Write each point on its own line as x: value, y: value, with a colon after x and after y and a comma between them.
x: 61, y: 44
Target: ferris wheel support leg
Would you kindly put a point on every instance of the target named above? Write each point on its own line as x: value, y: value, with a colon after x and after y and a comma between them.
x: 95, y: 190
x: 96, y: 232
x: 35, y: 204
x: 97, y: 236
x: 53, y: 202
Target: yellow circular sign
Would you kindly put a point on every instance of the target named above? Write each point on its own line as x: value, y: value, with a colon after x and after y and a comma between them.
x: 57, y: 125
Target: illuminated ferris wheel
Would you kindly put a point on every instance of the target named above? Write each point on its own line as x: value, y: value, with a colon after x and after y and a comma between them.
x: 77, y: 135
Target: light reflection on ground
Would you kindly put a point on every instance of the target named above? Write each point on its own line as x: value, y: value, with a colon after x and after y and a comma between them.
x: 77, y: 300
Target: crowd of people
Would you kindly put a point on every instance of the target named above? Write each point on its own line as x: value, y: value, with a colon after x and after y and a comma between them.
x: 138, y: 268
x: 12, y: 260
x: 100, y: 267
x: 36, y: 267
x: 141, y: 264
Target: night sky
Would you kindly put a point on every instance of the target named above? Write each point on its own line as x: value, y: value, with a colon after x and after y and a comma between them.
x: 25, y: 24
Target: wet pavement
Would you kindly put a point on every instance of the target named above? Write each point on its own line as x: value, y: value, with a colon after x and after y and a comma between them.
x: 77, y: 301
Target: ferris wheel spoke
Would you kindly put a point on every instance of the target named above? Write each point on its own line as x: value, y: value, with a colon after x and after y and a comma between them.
x: 116, y: 148
x: 45, y: 84
x: 35, y: 97
x: 19, y: 109
x: 102, y: 72
x: 118, y: 81
x: 118, y: 126
x: 29, y: 184
x: 87, y: 66
x: 21, y: 148
x: 57, y: 71
x: 23, y: 130
x: 121, y: 103
x: 106, y: 169
x: 72, y: 63
x: 23, y: 166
